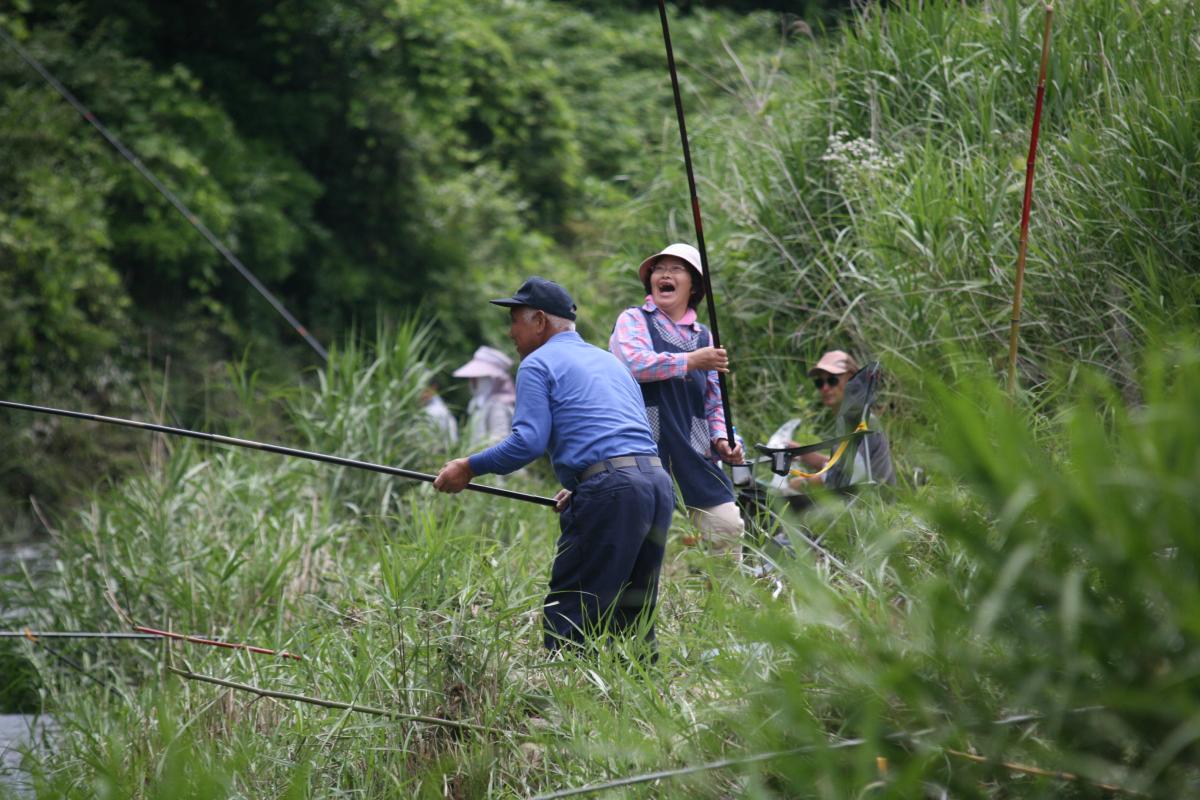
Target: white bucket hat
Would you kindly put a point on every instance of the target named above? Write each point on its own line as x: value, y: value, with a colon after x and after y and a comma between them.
x: 488, y: 362
x: 680, y: 250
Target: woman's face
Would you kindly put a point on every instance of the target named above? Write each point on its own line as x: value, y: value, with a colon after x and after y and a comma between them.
x: 670, y: 284
x: 831, y: 388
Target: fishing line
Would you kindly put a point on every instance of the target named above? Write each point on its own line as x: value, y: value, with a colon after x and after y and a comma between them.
x: 195, y: 221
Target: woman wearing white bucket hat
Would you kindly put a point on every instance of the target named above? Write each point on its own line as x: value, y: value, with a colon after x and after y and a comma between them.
x: 671, y: 356
x: 493, y: 396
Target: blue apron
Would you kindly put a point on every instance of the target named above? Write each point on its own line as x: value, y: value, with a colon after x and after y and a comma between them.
x: 675, y: 409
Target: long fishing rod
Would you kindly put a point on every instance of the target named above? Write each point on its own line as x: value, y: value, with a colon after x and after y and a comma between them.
x: 687, y: 161
x: 231, y: 441
x: 195, y: 221
x: 143, y: 632
x: 1019, y: 284
x: 34, y: 636
x: 183, y: 637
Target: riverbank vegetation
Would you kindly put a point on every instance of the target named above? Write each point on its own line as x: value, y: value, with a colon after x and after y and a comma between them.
x: 388, y: 169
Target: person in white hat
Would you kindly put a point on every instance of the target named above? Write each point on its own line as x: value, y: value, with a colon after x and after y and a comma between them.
x: 493, y: 396
x: 670, y: 354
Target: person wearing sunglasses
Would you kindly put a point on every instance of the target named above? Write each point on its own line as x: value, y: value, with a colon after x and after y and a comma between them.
x: 670, y: 354
x: 829, y: 377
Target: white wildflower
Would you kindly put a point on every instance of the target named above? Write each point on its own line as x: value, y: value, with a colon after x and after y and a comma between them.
x: 856, y: 161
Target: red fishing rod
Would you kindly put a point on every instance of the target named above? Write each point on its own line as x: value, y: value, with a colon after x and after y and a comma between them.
x: 687, y: 162
x: 1030, y: 162
x: 171, y: 197
x: 231, y: 441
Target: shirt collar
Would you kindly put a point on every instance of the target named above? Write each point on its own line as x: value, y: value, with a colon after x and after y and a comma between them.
x: 688, y: 318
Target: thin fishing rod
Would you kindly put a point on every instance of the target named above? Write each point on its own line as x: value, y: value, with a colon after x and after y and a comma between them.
x: 195, y: 221
x: 181, y: 637
x: 231, y: 441
x: 143, y: 633
x: 33, y: 636
x: 687, y: 162
x: 1022, y: 248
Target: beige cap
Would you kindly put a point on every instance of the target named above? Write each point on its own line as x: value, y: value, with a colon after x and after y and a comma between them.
x: 835, y: 362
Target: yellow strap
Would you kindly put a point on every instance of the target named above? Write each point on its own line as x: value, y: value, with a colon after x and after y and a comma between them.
x: 837, y: 454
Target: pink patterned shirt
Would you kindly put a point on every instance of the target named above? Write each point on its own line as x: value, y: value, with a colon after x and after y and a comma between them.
x: 631, y: 343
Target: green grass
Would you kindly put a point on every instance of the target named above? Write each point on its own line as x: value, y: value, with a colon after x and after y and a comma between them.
x: 896, y: 255
x: 1048, y: 566
x: 1018, y: 582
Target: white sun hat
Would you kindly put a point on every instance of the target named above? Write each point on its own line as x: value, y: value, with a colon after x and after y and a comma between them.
x: 680, y: 250
x: 488, y: 362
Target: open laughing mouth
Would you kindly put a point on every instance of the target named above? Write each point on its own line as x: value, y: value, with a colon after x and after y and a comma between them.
x: 665, y: 287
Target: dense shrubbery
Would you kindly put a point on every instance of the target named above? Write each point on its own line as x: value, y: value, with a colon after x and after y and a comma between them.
x: 859, y: 190
x: 867, y: 192
x: 1053, y: 586
x: 358, y: 157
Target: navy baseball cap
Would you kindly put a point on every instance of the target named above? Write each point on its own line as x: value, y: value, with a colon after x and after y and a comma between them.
x: 543, y: 295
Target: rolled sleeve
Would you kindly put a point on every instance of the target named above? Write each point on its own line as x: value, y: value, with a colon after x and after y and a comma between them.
x: 714, y: 411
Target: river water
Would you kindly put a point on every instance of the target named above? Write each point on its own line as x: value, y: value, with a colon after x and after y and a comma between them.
x: 19, y: 732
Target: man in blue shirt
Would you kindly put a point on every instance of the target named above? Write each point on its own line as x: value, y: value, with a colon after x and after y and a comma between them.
x: 581, y: 404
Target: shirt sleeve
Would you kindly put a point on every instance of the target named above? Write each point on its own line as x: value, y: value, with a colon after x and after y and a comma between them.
x: 631, y: 344
x: 714, y: 412
x: 530, y: 427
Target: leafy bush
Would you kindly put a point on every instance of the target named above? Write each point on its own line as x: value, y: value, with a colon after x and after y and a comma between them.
x: 859, y: 190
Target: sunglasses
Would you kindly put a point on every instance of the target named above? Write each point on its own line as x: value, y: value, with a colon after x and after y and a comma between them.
x: 831, y: 382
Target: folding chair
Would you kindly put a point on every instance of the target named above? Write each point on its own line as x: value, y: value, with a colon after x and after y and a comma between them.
x: 844, y: 470
x: 853, y: 417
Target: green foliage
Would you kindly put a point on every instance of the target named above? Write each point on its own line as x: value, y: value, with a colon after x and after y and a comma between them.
x: 365, y: 155
x: 867, y: 191
x: 1043, y: 573
x: 861, y: 190
x: 1056, y: 583
x: 20, y: 684
x: 61, y: 302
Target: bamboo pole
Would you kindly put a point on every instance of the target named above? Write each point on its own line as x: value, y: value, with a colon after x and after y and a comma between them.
x: 144, y: 633
x: 881, y: 763
x: 1028, y: 769
x: 318, y: 701
x: 35, y: 636
x: 1022, y: 248
x: 215, y: 643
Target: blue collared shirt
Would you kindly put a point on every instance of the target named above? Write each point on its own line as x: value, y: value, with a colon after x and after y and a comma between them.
x: 576, y: 401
